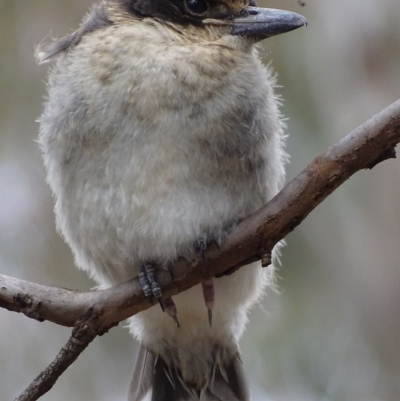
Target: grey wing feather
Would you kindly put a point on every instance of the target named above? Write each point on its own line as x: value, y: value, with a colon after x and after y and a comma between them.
x: 142, y: 379
x: 230, y: 385
x: 237, y: 379
x: 96, y: 19
x: 167, y: 385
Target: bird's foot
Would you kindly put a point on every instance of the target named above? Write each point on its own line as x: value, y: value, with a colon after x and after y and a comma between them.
x: 150, y: 287
x: 149, y: 283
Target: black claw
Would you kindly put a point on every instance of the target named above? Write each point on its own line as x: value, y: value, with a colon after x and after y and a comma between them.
x: 209, y: 297
x: 161, y: 302
x: 170, y: 267
x: 201, y: 247
x: 170, y: 308
x: 216, y: 244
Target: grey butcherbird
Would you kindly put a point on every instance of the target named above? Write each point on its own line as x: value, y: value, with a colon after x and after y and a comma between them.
x: 161, y: 131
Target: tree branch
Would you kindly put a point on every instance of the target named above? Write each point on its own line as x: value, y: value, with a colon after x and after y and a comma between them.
x: 82, y: 335
x: 253, y: 239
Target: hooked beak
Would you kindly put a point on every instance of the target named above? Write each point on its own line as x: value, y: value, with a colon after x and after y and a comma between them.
x: 262, y: 23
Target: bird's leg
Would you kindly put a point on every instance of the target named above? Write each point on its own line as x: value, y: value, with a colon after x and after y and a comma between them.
x: 149, y: 283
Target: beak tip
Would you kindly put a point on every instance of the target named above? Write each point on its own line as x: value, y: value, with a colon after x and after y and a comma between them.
x: 303, y: 21
x: 297, y: 20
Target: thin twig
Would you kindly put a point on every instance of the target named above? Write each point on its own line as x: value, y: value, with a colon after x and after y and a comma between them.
x: 82, y: 335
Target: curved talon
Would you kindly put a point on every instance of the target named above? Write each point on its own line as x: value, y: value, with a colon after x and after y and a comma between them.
x: 201, y: 247
x: 170, y: 267
x: 217, y: 244
x: 160, y: 301
x: 171, y: 310
x: 209, y: 297
x: 176, y: 321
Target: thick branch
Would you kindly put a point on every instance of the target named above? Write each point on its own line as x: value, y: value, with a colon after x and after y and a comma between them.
x: 253, y: 239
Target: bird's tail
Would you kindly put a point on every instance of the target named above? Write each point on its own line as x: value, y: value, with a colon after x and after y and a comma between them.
x: 226, y: 381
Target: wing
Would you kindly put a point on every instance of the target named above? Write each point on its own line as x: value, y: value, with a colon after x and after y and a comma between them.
x: 95, y: 19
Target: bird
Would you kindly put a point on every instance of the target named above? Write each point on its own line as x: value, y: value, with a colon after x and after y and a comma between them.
x: 161, y: 131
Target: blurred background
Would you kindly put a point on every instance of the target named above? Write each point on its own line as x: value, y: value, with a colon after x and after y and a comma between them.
x: 333, y: 331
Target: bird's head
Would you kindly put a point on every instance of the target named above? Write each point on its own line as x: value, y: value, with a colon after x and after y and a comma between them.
x: 196, y: 20
x: 222, y: 17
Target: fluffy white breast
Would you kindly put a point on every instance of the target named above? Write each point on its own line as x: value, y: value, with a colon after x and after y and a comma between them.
x: 152, y: 143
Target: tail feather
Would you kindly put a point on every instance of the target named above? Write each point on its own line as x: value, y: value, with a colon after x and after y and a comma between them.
x: 142, y: 378
x: 226, y: 382
x: 229, y: 382
x: 237, y: 379
x: 167, y: 386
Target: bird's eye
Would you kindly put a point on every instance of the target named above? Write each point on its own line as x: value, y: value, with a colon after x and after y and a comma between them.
x: 196, y: 7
